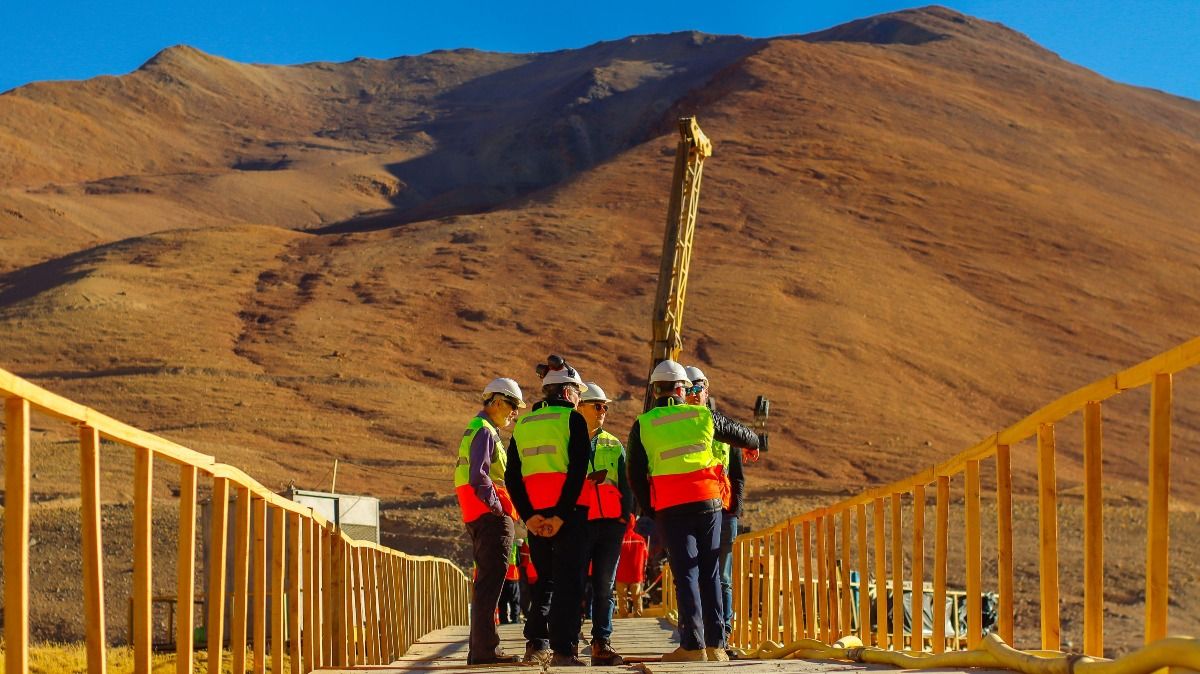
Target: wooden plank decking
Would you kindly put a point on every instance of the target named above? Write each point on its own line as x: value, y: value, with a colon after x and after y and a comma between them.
x: 445, y: 652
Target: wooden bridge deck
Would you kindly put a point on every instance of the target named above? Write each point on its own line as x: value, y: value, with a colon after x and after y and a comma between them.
x: 445, y: 652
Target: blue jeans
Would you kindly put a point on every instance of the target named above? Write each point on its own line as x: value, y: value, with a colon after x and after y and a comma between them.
x: 693, y: 546
x: 729, y: 531
x: 604, y: 550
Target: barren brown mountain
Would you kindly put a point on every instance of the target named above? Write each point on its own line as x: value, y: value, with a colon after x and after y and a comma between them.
x: 915, y: 229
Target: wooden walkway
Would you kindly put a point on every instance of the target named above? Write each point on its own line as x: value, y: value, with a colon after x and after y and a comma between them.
x: 445, y: 652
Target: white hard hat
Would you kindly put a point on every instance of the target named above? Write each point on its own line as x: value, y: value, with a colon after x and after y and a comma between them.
x: 669, y: 370
x: 695, y: 374
x: 506, y: 387
x: 565, y: 375
x: 594, y: 394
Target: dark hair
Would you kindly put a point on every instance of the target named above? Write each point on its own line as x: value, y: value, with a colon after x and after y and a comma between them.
x: 664, y: 388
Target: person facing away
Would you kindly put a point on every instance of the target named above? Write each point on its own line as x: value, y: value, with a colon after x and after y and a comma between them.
x: 631, y: 572
x: 731, y: 459
x: 547, y: 465
x: 675, y: 474
x: 510, y: 595
x: 610, y: 505
x: 488, y: 513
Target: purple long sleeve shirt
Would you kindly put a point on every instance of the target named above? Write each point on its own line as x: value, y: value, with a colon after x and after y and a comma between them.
x: 483, y: 452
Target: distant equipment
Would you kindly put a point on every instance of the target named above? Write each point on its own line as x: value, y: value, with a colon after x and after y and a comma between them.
x: 357, y: 516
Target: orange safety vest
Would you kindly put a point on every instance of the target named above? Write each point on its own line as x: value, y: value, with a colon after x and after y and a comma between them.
x: 473, y: 508
x: 683, y: 468
x: 542, y: 437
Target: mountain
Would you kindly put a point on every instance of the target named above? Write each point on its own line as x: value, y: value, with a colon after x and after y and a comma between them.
x: 915, y: 229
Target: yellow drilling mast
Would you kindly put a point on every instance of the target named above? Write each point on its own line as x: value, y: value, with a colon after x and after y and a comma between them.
x: 694, y: 147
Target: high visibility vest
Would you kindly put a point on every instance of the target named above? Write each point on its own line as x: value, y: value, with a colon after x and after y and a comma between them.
x: 683, y: 468
x: 513, y: 572
x: 722, y: 451
x: 541, y: 438
x: 604, y: 497
x: 472, y: 507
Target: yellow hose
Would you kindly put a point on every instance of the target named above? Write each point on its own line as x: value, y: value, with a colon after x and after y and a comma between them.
x: 993, y: 653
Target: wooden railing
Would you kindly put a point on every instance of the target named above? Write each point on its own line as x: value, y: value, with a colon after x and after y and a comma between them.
x: 333, y: 601
x: 792, y: 580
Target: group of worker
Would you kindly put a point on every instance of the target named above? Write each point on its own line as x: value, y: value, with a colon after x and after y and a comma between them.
x: 574, y: 484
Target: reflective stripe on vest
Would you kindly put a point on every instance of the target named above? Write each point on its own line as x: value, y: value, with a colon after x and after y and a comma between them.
x: 604, y: 497
x: 683, y: 468
x: 541, y: 438
x: 470, y: 504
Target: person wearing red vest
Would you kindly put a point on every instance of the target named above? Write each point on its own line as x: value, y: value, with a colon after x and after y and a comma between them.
x: 676, y: 475
x: 547, y: 465
x: 610, y: 502
x: 631, y: 572
x: 488, y: 513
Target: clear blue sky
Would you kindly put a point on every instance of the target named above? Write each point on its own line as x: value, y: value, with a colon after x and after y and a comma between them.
x: 1148, y: 42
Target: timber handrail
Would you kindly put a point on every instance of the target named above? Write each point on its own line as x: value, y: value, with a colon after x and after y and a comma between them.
x: 347, y: 602
x: 791, y: 580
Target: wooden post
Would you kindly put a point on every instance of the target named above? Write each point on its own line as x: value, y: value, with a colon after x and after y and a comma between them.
x: 822, y: 584
x: 328, y: 597
x: 831, y: 575
x: 739, y: 595
x: 340, y: 594
x: 17, y: 476
x: 1093, y: 532
x: 293, y: 592
x: 974, y: 558
x: 143, y: 532
x: 881, y: 626
x: 941, y: 529
x: 370, y: 590
x: 308, y: 592
x: 1006, y: 610
x: 795, y: 594
x: 1157, y: 524
x: 259, y: 524
x: 278, y: 571
x: 315, y: 626
x: 897, y: 574
x: 216, y: 567
x: 185, y: 570
x: 917, y: 638
x: 810, y: 594
x: 1048, y: 538
x: 864, y: 575
x: 93, y: 549
x: 847, y: 611
x: 241, y: 569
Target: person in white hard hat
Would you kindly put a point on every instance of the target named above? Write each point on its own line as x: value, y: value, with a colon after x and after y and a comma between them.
x: 610, y: 503
x: 488, y: 512
x: 731, y: 457
x: 547, y: 465
x: 676, y: 475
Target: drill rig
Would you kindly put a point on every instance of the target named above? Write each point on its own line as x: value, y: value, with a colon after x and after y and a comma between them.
x: 694, y: 147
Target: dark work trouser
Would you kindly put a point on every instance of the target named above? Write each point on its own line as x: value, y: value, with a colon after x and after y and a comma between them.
x: 693, y: 549
x: 729, y: 530
x: 604, y: 551
x: 492, y: 541
x: 510, y: 602
x: 561, y: 563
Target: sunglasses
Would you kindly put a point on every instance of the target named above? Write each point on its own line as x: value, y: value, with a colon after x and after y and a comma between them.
x: 694, y: 390
x: 600, y: 407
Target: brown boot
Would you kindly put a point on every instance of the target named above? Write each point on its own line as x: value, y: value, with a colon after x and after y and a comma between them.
x: 603, y: 654
x: 682, y: 654
x: 538, y: 657
x: 566, y: 660
x: 716, y: 655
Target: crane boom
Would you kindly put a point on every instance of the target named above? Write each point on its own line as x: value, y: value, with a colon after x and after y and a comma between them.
x: 694, y: 147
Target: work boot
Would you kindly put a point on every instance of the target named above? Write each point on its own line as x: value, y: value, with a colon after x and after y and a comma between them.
x: 716, y: 655
x: 537, y: 656
x: 603, y: 654
x: 566, y: 660
x: 497, y: 659
x: 682, y: 654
